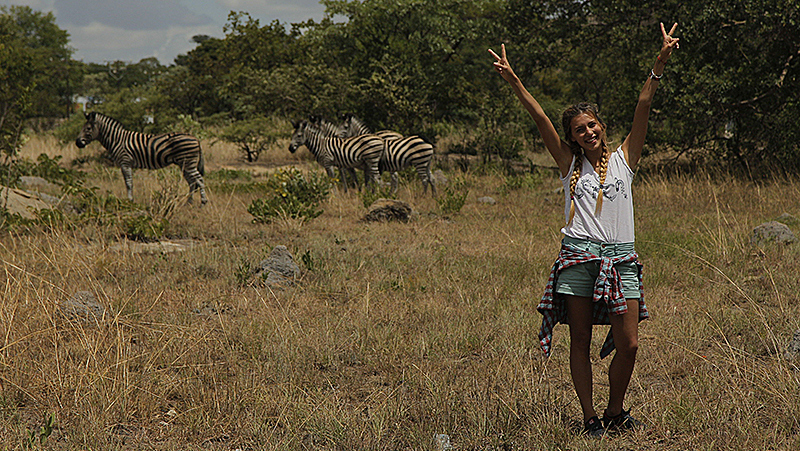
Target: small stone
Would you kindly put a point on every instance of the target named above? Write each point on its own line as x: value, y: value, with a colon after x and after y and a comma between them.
x: 441, y: 442
x: 83, y: 307
x: 487, y: 200
x: 792, y: 352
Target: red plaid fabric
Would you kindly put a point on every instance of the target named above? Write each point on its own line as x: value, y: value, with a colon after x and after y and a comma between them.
x: 607, y: 288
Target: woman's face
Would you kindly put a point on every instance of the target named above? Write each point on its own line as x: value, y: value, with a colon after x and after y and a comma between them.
x: 586, y: 130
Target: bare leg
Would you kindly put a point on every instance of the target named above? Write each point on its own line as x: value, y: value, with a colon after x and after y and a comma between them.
x: 625, y: 329
x: 579, y: 310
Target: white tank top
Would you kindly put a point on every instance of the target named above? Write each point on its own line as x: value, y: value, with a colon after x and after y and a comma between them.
x: 614, y: 223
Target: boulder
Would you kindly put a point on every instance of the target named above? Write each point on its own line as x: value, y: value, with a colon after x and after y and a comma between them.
x: 772, y: 232
x: 22, y: 203
x: 279, y: 268
x: 383, y: 210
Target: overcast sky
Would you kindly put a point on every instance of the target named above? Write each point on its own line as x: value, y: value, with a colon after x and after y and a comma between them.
x: 129, y: 30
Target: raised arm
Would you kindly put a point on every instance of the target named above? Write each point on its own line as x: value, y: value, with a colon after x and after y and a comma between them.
x: 557, y: 148
x: 634, y: 142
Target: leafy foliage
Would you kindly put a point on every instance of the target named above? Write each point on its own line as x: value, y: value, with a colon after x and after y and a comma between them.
x: 294, y: 196
x: 453, y: 198
x: 729, y: 95
x: 252, y: 136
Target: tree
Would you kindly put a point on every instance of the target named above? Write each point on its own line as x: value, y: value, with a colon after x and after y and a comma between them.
x: 36, y: 39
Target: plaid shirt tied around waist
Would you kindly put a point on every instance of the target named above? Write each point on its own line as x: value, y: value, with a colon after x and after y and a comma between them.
x: 607, y: 288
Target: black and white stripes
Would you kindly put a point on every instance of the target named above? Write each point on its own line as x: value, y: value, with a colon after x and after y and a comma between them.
x: 400, y: 151
x: 362, y: 151
x: 132, y: 150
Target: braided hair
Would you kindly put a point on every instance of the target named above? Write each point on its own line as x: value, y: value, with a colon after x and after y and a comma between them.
x: 566, y: 123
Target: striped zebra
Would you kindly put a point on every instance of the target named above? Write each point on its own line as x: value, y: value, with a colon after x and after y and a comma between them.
x: 357, y: 152
x: 400, y: 152
x: 332, y: 130
x: 133, y: 150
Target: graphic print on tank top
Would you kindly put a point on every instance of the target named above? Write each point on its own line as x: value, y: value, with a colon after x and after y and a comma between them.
x: 591, y: 186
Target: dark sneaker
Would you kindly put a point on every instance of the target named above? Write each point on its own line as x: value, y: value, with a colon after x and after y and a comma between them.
x: 622, y: 422
x: 593, y: 427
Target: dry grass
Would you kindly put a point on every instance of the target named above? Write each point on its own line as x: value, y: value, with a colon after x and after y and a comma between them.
x: 398, y: 332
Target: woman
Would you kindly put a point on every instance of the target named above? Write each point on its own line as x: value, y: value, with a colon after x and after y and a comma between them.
x: 597, y: 277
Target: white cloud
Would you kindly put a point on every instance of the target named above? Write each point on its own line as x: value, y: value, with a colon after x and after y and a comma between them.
x: 129, y: 30
x: 98, y: 43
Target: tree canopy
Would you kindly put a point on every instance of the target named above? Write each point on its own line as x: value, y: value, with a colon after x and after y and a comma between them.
x: 729, y: 94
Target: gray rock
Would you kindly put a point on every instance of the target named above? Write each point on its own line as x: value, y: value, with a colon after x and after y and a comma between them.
x: 772, y: 232
x: 792, y: 352
x: 441, y: 442
x: 487, y: 200
x: 83, y: 307
x: 22, y: 202
x: 278, y: 268
x: 384, y: 210
x: 32, y: 183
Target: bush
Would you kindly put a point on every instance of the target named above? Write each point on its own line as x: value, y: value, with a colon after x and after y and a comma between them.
x: 453, y: 198
x: 143, y: 227
x: 293, y: 197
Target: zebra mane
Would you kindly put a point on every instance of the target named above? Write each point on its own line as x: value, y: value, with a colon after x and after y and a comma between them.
x: 356, y: 125
x: 96, y: 116
x: 326, y: 128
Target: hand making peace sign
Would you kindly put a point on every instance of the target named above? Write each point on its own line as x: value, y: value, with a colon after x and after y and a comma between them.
x: 669, y: 43
x: 501, y: 65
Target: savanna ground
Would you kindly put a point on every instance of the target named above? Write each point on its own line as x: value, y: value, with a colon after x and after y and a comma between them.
x: 396, y: 332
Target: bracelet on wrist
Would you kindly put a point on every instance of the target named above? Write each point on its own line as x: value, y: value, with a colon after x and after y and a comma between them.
x: 653, y: 75
x: 658, y: 57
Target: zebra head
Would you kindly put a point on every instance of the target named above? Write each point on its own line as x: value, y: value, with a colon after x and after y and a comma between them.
x: 352, y: 126
x: 89, y: 131
x: 299, y: 135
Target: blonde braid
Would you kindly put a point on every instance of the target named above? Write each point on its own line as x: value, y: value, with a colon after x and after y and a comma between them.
x: 573, y: 183
x: 603, y: 171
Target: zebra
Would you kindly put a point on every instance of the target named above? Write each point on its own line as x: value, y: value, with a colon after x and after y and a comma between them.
x: 400, y: 152
x: 361, y: 151
x: 131, y: 150
x: 332, y: 130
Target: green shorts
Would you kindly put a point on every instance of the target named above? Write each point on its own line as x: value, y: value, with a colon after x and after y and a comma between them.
x: 578, y: 280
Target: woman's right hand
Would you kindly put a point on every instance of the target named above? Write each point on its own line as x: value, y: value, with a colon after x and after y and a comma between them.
x: 502, y: 66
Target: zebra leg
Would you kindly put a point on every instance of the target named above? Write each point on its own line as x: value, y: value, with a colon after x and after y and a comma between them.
x: 352, y: 173
x: 195, y: 181
x: 127, y: 175
x: 430, y: 182
x: 427, y: 179
x: 395, y: 181
x: 371, y: 176
x: 343, y: 176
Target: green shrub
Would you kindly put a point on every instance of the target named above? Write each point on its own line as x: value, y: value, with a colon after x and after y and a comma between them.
x: 528, y: 181
x: 293, y: 197
x: 143, y: 227
x: 453, y: 198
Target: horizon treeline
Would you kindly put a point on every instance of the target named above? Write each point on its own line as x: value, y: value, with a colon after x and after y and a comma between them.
x: 729, y: 95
